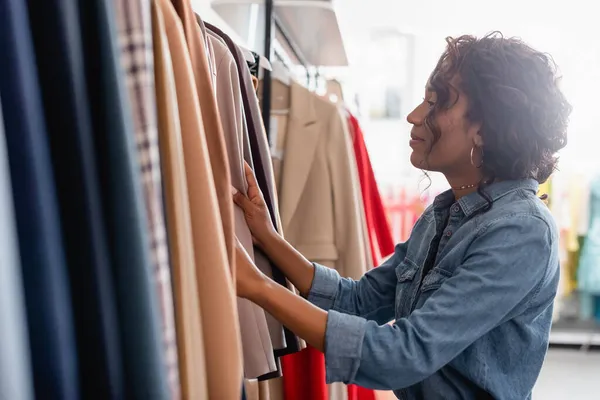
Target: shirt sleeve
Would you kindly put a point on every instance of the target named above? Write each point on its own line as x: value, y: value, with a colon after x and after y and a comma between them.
x: 371, y: 297
x: 501, y: 275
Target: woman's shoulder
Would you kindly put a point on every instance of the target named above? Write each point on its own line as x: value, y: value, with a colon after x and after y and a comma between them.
x: 521, y: 210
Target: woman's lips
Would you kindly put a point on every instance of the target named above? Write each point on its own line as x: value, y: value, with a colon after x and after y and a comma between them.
x: 415, y: 141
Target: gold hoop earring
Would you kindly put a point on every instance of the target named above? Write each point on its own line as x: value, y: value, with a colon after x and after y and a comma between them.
x: 481, y: 151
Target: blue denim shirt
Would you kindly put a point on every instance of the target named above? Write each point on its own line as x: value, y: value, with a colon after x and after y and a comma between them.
x: 471, y: 293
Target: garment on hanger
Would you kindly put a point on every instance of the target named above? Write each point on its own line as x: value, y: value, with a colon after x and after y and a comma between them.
x: 210, y: 116
x: 127, y: 230
x: 45, y: 282
x: 136, y: 56
x: 222, y: 345
x: 57, y: 41
x: 259, y: 150
x: 15, y: 368
x: 257, y: 342
x: 190, y: 338
x: 318, y: 202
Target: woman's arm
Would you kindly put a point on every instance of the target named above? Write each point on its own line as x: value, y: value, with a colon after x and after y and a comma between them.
x: 294, y: 265
x: 371, y: 297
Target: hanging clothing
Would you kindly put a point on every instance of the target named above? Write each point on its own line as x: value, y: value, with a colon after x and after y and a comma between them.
x: 57, y: 41
x: 320, y: 206
x: 379, y: 232
x: 214, y: 131
x: 256, y: 153
x: 257, y: 339
x: 15, y: 368
x: 190, y: 341
x: 136, y: 56
x: 143, y: 358
x: 588, y: 274
x: 222, y: 344
x: 318, y: 202
x: 304, y: 375
x: 47, y: 294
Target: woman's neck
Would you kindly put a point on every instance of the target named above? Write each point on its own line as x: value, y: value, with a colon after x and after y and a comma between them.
x: 464, y: 184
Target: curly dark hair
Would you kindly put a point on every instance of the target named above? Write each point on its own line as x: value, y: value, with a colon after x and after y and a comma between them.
x: 513, y: 92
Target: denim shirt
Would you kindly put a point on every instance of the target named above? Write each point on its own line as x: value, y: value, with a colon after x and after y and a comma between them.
x: 471, y: 293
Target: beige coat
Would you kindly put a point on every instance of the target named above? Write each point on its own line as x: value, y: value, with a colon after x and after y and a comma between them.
x: 256, y: 339
x: 187, y: 308
x: 217, y: 295
x: 197, y: 48
x: 319, y: 203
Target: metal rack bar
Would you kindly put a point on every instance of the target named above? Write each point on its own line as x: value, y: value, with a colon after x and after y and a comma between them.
x: 266, y: 100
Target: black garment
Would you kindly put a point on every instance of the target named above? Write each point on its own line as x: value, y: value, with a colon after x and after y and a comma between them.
x: 115, y: 149
x: 45, y: 281
x: 57, y: 41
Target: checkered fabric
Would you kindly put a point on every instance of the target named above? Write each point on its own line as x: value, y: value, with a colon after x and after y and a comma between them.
x: 136, y: 54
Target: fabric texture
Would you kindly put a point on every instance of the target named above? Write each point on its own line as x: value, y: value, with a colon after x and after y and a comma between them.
x: 504, y: 259
x: 141, y: 339
x: 45, y: 281
x: 136, y: 55
x: 221, y: 336
x: 57, y: 40
x: 15, y: 368
x: 192, y: 368
x: 203, y: 78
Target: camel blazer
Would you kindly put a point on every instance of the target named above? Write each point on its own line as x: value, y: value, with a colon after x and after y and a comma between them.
x: 222, y: 345
x: 197, y: 47
x: 319, y: 204
x: 256, y: 333
x: 192, y: 368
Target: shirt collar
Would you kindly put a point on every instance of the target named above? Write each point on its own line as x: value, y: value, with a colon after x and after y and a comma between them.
x: 473, y: 202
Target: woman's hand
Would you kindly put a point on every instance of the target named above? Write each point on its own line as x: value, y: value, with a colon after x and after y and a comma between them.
x: 303, y: 318
x: 248, y: 277
x: 255, y: 209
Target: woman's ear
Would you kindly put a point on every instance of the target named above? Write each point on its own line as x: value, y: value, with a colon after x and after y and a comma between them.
x: 478, y: 140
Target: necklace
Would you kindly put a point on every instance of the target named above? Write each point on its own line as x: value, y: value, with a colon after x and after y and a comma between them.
x: 465, y: 187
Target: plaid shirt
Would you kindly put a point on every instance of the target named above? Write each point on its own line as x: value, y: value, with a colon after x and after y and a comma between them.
x: 135, y: 40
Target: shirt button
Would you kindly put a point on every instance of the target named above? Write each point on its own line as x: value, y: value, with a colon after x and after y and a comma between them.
x: 449, y: 233
x: 455, y: 209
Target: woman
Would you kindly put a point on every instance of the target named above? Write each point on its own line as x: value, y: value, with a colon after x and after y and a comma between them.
x: 472, y: 290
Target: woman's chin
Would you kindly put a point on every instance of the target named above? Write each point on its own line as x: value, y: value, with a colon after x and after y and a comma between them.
x: 417, y: 159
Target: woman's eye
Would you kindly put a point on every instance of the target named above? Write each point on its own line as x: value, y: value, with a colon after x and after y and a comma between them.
x: 431, y: 103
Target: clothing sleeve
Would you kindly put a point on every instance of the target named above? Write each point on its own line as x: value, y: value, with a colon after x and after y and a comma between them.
x: 502, y: 275
x: 371, y: 297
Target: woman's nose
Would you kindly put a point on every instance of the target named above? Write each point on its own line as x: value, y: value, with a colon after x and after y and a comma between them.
x: 415, y: 117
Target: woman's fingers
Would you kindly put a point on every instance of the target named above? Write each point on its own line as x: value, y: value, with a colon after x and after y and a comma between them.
x: 242, y: 201
x: 251, y: 179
